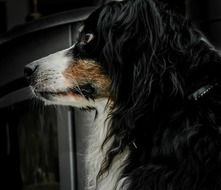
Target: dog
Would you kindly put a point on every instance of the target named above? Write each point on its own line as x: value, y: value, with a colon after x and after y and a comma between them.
x: 154, y: 81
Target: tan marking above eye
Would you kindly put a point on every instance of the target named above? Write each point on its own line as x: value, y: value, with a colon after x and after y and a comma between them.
x: 81, y: 72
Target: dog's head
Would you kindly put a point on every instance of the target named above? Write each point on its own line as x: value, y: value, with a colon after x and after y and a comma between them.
x: 126, y: 52
x: 106, y: 61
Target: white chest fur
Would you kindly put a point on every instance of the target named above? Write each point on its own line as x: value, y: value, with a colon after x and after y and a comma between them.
x: 95, y: 155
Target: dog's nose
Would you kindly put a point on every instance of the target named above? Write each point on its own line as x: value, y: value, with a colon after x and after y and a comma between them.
x: 29, y: 70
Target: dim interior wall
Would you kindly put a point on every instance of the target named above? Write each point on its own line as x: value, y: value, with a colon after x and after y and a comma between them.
x: 17, y: 10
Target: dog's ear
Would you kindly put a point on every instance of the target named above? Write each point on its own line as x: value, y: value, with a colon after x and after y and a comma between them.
x: 129, y: 29
x: 131, y: 41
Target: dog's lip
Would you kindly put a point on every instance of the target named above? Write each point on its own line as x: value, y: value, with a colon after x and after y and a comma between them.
x: 56, y: 93
x: 83, y: 90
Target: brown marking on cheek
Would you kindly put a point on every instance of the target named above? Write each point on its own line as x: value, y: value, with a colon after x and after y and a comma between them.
x: 81, y: 72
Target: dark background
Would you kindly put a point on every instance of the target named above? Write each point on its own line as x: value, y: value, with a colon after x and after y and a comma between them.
x: 206, y: 14
x: 17, y: 12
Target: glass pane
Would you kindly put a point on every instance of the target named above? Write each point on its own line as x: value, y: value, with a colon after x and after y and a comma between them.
x: 38, y: 147
x: 30, y: 146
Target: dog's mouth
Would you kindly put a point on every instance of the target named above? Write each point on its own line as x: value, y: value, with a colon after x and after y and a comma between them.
x: 48, y: 94
x: 86, y: 91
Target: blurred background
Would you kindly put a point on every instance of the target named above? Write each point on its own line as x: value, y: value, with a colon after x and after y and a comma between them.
x: 16, y: 12
x: 205, y: 13
x: 43, y: 148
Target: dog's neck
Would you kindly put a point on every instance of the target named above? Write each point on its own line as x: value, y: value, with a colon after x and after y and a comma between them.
x: 96, y: 153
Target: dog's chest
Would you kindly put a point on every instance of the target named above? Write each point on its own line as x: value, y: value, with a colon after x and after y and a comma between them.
x: 95, y: 155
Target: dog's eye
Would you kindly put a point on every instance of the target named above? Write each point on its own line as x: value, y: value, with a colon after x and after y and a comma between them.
x: 87, y: 38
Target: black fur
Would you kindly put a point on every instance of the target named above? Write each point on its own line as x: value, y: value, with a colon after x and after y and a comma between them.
x: 156, y: 59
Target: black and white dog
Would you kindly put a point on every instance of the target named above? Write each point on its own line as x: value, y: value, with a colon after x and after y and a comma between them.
x: 155, y: 83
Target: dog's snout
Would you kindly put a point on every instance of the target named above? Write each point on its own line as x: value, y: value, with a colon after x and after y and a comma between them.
x: 29, y: 70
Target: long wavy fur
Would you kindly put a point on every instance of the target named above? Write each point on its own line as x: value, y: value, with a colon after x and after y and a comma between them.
x: 156, y: 60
